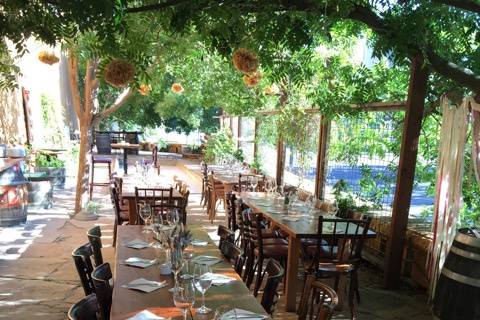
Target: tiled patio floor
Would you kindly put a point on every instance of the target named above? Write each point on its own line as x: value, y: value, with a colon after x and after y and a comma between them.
x: 38, y: 279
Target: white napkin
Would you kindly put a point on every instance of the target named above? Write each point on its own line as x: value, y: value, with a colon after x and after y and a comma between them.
x: 219, y: 279
x: 199, y: 243
x: 291, y: 219
x: 145, y: 315
x: 136, y: 244
x: 139, y: 262
x: 208, y: 260
x: 242, y: 314
x: 145, y: 285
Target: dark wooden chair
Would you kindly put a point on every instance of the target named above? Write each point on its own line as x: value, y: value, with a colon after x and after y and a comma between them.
x: 274, y: 274
x: 159, y: 199
x: 82, y: 258
x: 85, y: 309
x: 99, y: 160
x: 101, y: 276
x: 260, y: 243
x: 339, y: 253
x: 226, y: 235
x: 235, y: 255
x: 185, y: 192
x: 94, y: 237
x: 154, y: 161
x: 121, y: 216
x: 245, y: 182
x: 318, y: 301
x: 230, y: 211
x: 266, y: 248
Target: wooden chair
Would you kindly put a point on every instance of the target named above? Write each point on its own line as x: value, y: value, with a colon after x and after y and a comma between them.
x: 101, y: 276
x: 204, y: 197
x: 318, y: 301
x: 259, y: 243
x: 85, y: 309
x: 82, y: 258
x: 94, y: 237
x: 274, y: 274
x: 244, y: 182
x: 226, y: 235
x: 95, y: 160
x: 121, y: 216
x: 339, y: 254
x: 185, y: 192
x: 230, y: 211
x: 216, y: 192
x: 159, y: 199
x: 235, y: 255
x: 266, y: 248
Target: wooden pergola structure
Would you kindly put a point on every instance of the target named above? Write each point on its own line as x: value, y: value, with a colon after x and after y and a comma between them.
x: 414, y: 110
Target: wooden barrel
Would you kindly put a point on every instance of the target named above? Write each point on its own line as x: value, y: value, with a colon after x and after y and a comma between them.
x: 13, y: 196
x: 457, y: 296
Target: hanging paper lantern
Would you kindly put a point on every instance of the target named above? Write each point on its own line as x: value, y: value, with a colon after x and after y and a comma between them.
x: 271, y: 90
x: 252, y: 79
x: 144, y: 89
x: 177, y: 88
x: 245, y: 61
x: 119, y: 73
x: 48, y: 57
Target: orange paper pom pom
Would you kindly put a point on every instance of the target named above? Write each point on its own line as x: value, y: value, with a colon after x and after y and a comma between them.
x: 48, y: 57
x: 144, y: 89
x: 177, y: 88
x: 252, y: 79
x: 119, y: 73
x: 245, y: 61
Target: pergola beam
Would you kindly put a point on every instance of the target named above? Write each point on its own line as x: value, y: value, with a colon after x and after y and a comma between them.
x: 374, y: 106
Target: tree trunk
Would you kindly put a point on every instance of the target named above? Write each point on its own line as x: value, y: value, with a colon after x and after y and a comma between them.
x: 83, y: 173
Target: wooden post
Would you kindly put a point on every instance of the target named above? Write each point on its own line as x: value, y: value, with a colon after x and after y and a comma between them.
x: 406, y: 171
x: 280, y: 161
x: 255, y: 134
x: 321, y: 157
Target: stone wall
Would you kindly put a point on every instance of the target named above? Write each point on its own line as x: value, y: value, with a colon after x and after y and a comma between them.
x: 12, y: 120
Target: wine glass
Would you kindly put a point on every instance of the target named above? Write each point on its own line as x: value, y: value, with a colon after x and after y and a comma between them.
x: 145, y: 214
x: 202, y: 276
x: 187, y: 256
x: 176, y: 260
x: 254, y: 183
x: 184, y: 296
x: 157, y: 228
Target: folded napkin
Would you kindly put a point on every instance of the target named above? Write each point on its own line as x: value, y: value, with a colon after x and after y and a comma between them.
x: 219, y: 279
x: 242, y: 314
x: 145, y: 315
x: 208, y: 260
x: 145, y: 285
x: 136, y: 244
x: 291, y: 219
x: 199, y: 243
x: 139, y: 262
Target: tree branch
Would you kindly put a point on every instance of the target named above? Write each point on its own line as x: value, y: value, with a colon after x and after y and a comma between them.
x: 468, y: 5
x: 73, y: 77
x: 453, y: 71
x: 121, y: 99
x: 157, y: 6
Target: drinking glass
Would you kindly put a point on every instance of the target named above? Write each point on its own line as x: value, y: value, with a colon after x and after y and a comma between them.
x: 184, y: 296
x: 176, y: 260
x: 157, y: 228
x: 145, y: 214
x: 202, y: 276
x: 254, y: 183
x: 187, y: 256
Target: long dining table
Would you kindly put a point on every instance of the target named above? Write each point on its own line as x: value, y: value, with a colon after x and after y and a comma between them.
x: 298, y: 223
x: 127, y: 302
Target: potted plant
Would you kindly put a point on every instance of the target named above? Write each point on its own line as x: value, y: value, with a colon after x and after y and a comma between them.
x: 346, y: 203
x: 53, y: 167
